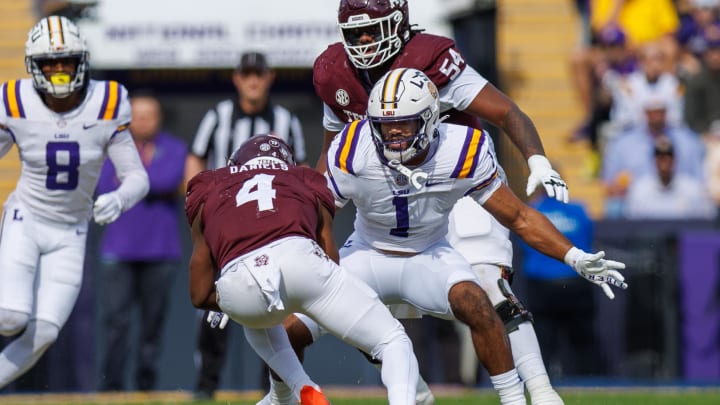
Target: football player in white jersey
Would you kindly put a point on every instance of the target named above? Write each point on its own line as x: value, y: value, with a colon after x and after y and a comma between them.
x: 378, y: 35
x: 64, y: 126
x: 404, y: 171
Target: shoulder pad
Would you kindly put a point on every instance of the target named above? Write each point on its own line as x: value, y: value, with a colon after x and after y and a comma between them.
x: 337, y: 84
x: 436, y: 56
x: 113, y: 96
x: 11, y: 99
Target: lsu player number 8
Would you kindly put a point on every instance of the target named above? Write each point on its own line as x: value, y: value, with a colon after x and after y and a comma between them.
x: 65, y: 126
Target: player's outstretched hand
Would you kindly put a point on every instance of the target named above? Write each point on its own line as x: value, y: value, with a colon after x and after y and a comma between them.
x: 542, y: 173
x: 596, y: 269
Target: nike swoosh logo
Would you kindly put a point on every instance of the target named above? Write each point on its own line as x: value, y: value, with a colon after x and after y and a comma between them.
x: 79, y: 232
x: 88, y: 126
x: 428, y: 184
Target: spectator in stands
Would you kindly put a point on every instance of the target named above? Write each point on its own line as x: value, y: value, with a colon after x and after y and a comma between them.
x: 629, y: 155
x: 695, y: 22
x: 712, y: 162
x: 141, y: 251
x: 565, y: 332
x: 221, y: 131
x: 609, y: 56
x: 641, y: 21
x: 652, y: 79
x: 702, y: 95
x: 665, y: 194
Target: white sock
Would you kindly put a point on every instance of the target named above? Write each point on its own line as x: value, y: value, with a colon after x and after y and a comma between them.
x: 541, y: 392
x: 280, y: 393
x: 509, y: 388
x: 423, y: 394
x: 530, y: 367
x: 274, y: 348
x: 23, y: 352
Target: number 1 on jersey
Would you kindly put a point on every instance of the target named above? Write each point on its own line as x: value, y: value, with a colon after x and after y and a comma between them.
x: 402, y: 217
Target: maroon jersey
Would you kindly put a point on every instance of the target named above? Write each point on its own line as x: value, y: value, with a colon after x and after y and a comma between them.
x: 247, y: 207
x: 338, y: 83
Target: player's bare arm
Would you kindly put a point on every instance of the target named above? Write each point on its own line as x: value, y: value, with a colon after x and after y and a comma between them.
x: 202, y: 270
x: 533, y: 227
x: 495, y: 107
x: 322, y: 160
x: 537, y: 231
x: 325, y: 236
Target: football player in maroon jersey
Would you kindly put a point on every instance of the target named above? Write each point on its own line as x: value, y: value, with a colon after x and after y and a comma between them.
x: 376, y: 37
x: 263, y: 248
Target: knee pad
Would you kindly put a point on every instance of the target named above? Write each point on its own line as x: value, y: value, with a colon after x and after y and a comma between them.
x: 12, y: 322
x: 512, y: 312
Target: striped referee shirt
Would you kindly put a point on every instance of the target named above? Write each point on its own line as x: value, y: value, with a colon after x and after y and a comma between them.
x: 224, y: 128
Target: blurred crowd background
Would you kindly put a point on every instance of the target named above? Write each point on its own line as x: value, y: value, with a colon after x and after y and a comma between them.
x: 625, y: 95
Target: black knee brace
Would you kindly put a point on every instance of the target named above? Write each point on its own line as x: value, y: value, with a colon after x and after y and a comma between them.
x: 511, y: 311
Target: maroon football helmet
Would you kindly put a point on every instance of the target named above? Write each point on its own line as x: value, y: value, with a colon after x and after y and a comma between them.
x: 387, y: 21
x: 262, y: 146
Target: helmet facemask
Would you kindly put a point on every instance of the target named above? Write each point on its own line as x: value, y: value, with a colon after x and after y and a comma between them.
x: 391, y: 147
x: 59, y: 85
x: 50, y: 40
x: 386, y: 39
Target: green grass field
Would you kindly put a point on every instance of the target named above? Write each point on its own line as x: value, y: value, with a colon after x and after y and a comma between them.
x: 585, y: 396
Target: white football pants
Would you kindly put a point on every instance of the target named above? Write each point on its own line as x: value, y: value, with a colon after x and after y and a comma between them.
x: 293, y: 274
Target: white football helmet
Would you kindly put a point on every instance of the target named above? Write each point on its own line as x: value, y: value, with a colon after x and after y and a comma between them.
x: 404, y: 95
x: 56, y: 37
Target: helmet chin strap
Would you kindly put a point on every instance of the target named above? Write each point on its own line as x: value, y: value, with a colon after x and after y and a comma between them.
x: 417, y: 177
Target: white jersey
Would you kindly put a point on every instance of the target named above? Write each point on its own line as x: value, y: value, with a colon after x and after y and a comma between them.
x: 391, y: 214
x: 62, y: 153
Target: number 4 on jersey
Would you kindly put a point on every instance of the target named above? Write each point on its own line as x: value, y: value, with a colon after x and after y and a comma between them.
x: 263, y: 192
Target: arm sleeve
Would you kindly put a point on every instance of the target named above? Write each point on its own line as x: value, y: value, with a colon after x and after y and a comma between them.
x: 134, y: 183
x: 6, y: 141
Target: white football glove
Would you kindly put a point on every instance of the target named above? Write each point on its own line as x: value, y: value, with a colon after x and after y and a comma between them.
x: 541, y: 172
x: 594, y: 268
x: 107, y: 208
x: 217, y: 319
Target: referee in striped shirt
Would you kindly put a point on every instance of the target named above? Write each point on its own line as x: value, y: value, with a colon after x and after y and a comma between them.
x: 231, y: 122
x: 222, y: 130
